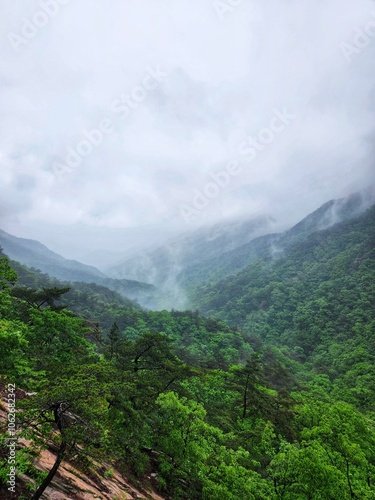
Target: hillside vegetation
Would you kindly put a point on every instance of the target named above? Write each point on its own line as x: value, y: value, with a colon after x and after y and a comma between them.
x: 315, y: 300
x: 279, y: 405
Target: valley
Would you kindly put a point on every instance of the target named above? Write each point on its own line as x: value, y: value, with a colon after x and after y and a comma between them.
x: 266, y: 373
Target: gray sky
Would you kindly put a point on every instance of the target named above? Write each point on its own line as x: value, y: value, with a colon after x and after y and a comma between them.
x: 179, y: 88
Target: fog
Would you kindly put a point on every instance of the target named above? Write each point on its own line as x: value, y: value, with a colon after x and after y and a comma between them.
x: 124, y: 123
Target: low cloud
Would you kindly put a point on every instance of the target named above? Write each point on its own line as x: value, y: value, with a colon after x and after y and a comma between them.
x: 226, y: 74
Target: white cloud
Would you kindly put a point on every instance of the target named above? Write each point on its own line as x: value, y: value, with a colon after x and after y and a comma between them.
x: 226, y: 76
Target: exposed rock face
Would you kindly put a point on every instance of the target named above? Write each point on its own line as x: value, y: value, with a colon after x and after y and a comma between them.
x: 70, y: 483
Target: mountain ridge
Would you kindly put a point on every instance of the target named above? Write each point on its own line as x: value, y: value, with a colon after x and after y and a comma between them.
x: 163, y: 277
x: 328, y: 214
x: 35, y: 254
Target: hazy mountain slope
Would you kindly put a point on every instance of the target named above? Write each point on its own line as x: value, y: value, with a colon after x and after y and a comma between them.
x: 83, y: 298
x: 36, y: 255
x: 162, y: 265
x: 271, y: 245
x: 315, y: 301
x: 159, y: 278
x: 319, y: 281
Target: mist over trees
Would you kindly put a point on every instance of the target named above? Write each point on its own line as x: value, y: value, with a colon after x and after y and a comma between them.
x: 270, y: 394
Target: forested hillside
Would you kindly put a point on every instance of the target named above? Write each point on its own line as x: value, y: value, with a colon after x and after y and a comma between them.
x: 316, y: 300
x: 162, y: 265
x: 37, y: 256
x: 271, y: 245
x: 187, y: 250
x: 278, y: 405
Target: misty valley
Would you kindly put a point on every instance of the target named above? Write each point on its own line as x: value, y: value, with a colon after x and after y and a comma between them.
x: 187, y: 250
x: 232, y: 361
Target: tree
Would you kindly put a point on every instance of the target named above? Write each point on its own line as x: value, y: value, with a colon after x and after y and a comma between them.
x: 74, y: 406
x: 113, y: 341
x: 247, y: 380
x: 8, y: 276
x: 306, y: 472
x: 39, y: 299
x: 57, y: 339
x: 195, y: 461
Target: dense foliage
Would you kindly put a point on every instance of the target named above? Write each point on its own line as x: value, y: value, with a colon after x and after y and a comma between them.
x: 316, y: 301
x: 280, y: 405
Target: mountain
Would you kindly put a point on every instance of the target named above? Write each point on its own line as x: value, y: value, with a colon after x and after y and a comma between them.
x: 319, y: 280
x: 270, y: 245
x: 213, y: 252
x: 36, y: 255
x: 163, y: 277
x: 162, y: 265
x: 113, y: 398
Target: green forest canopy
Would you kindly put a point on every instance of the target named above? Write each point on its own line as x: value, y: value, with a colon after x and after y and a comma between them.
x: 278, y: 405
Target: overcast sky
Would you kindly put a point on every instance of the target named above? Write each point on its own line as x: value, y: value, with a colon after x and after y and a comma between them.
x: 180, y: 88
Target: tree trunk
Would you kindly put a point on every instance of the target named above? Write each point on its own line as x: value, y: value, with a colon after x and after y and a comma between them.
x: 51, y: 473
x: 245, y: 397
x: 352, y: 495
